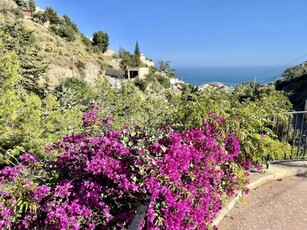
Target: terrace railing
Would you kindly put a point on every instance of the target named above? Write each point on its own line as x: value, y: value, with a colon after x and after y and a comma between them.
x: 294, y: 132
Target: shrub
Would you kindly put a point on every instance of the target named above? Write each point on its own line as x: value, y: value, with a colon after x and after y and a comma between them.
x: 164, y: 82
x: 74, y: 92
x: 101, y: 176
x: 141, y: 84
x: 39, y: 17
x: 65, y: 32
x: 19, y: 12
x: 80, y: 65
x: 51, y: 15
x: 86, y: 41
x: 68, y: 22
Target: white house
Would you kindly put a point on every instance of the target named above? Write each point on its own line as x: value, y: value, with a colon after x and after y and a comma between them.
x: 146, y: 61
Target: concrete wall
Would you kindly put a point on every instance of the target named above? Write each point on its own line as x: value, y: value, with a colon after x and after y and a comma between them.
x: 143, y: 71
x: 115, y: 73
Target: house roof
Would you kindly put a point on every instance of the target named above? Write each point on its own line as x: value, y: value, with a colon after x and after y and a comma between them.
x: 27, y: 13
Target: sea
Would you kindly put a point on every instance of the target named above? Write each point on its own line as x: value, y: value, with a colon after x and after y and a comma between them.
x: 229, y: 76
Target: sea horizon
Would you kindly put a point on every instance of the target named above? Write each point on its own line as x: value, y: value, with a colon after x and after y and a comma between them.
x: 228, y: 75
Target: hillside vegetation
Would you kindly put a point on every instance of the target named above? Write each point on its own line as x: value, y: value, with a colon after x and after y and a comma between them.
x: 294, y: 84
x: 65, y: 59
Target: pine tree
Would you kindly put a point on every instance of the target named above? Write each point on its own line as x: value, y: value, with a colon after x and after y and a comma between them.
x: 52, y: 15
x: 18, y: 39
x: 101, y: 40
x: 70, y: 23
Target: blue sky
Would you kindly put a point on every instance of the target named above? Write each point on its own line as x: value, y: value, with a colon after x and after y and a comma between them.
x: 197, y: 32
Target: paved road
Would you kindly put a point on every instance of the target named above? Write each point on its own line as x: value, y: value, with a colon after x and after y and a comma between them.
x: 279, y: 205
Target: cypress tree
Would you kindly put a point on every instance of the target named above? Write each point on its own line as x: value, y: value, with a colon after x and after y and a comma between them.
x: 137, y: 54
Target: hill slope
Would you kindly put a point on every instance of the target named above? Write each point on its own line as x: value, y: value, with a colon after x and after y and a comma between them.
x: 296, y: 89
x: 65, y: 58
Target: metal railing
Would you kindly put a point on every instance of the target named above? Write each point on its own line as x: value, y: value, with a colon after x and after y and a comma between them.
x: 293, y: 130
x: 140, y: 215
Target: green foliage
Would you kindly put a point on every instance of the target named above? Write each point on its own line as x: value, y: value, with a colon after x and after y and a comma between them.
x: 246, y: 90
x: 20, y: 3
x: 247, y: 119
x: 39, y: 17
x: 293, y: 72
x: 127, y: 59
x: 187, y: 88
x: 101, y: 40
x: 18, y: 39
x: 65, y: 32
x: 9, y: 66
x: 51, y: 15
x: 74, y: 92
x: 141, y: 84
x: 137, y: 49
x: 32, y: 5
x: 137, y: 54
x: 68, y: 22
x: 295, y: 88
x: 129, y: 105
x: 165, y: 82
x: 164, y: 66
x: 86, y: 41
x: 121, y: 52
x: 18, y: 12
x: 80, y: 65
x: 28, y: 123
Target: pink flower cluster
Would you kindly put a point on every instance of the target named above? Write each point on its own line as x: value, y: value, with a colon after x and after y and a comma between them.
x: 103, y: 178
x: 188, y: 179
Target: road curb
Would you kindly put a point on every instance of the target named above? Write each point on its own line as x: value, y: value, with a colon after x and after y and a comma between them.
x: 276, y: 172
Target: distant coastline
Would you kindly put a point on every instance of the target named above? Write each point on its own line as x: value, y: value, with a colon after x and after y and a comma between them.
x: 229, y: 76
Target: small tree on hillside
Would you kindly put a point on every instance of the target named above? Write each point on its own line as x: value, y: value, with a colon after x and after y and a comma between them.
x: 101, y: 40
x: 121, y: 52
x: 66, y: 32
x: 39, y: 17
x: 32, y: 61
x: 127, y: 60
x: 70, y: 23
x: 51, y: 15
x: 165, y: 67
x: 32, y: 6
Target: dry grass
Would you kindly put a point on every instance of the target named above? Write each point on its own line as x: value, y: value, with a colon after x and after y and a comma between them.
x: 63, y: 56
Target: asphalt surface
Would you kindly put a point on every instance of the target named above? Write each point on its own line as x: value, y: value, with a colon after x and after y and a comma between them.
x: 280, y: 204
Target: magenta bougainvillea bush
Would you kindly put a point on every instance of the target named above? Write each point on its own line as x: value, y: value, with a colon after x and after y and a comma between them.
x: 97, y: 179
